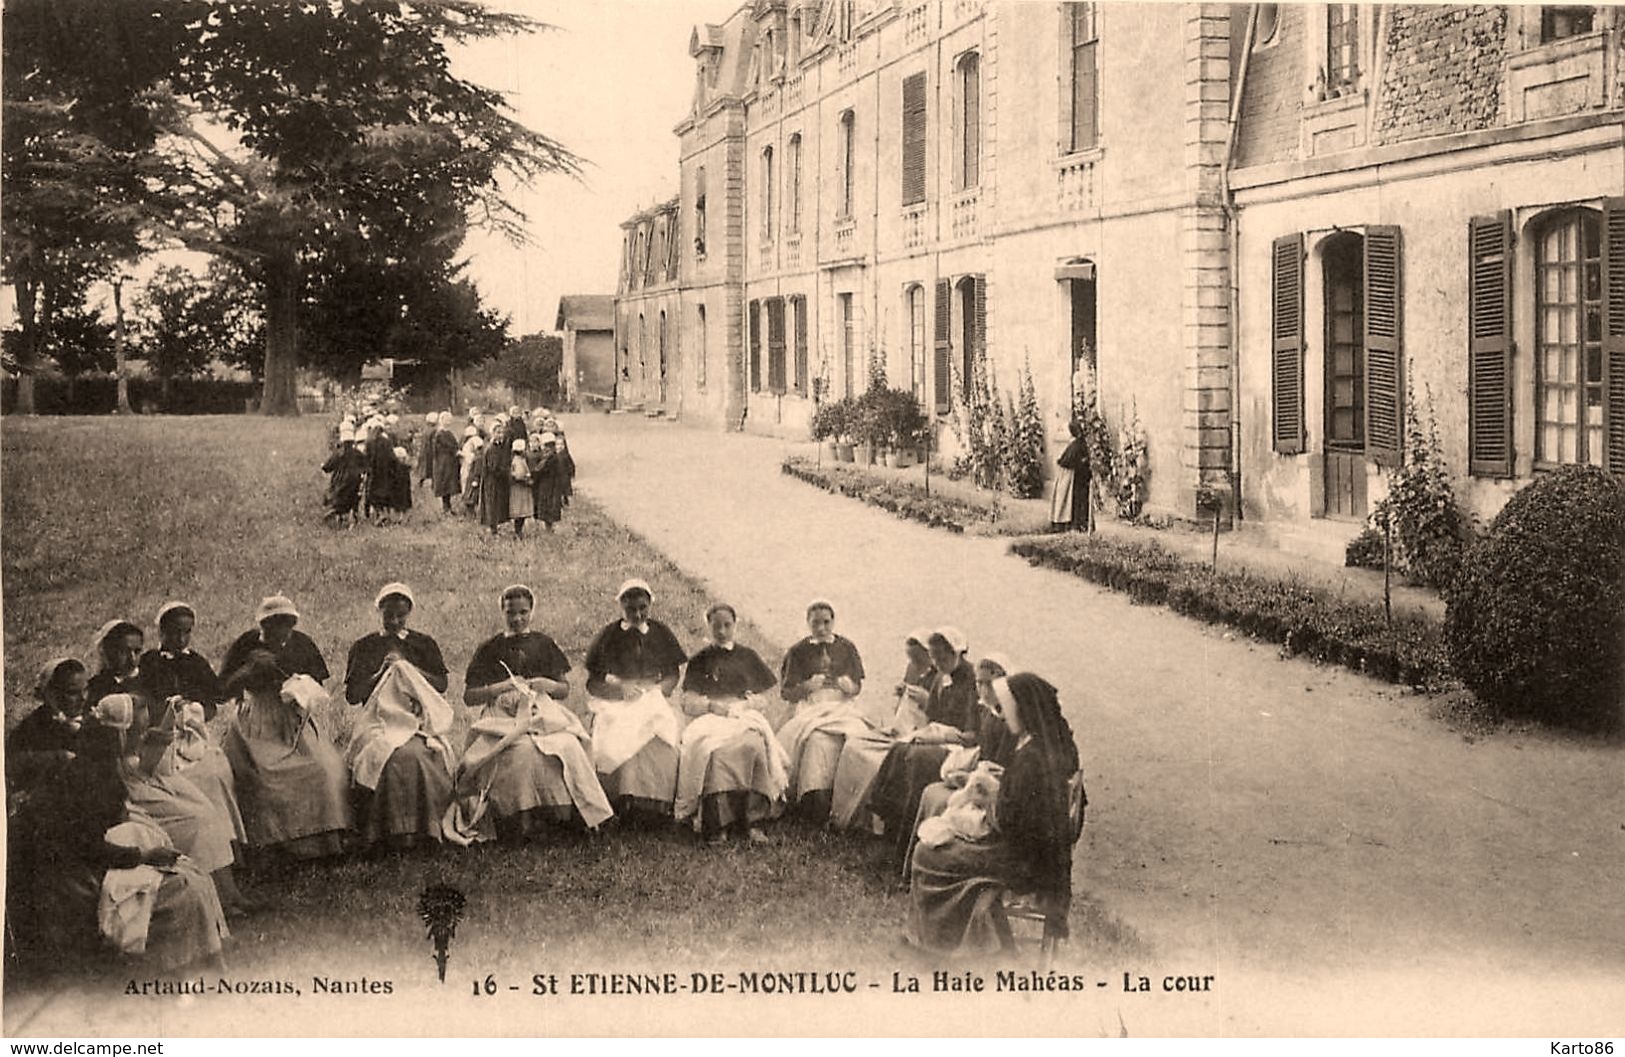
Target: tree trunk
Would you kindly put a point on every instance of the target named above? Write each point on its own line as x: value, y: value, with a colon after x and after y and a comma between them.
x: 123, y: 405
x: 279, y: 395
x: 27, y: 294
x: 163, y: 393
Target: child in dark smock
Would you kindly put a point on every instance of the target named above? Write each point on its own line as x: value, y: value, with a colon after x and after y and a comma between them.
x: 345, y: 469
x: 632, y: 668
x: 733, y: 771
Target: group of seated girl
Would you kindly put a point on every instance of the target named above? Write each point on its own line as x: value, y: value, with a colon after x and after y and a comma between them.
x: 170, y: 813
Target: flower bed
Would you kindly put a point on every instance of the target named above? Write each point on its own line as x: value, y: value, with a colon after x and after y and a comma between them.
x: 904, y: 500
x: 1301, y: 619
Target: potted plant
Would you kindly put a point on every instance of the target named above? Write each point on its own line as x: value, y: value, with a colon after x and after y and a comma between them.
x: 868, y: 426
x: 841, y: 414
x: 823, y: 426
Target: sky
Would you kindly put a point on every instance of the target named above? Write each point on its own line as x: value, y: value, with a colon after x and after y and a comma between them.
x: 609, y: 82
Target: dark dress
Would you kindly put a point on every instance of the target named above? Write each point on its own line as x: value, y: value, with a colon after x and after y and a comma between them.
x: 414, y: 789
x: 958, y: 888
x: 382, y: 473
x: 910, y: 767
x: 186, y: 674
x: 569, y: 469
x: 718, y: 672
x: 345, y: 469
x: 44, y: 730
x: 297, y: 656
x: 647, y: 781
x: 548, y: 479
x: 1075, y: 460
x: 104, y: 683
x: 443, y: 449
x: 496, y: 457
x: 808, y: 658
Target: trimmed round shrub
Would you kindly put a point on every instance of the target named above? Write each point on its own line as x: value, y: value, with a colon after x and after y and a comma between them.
x: 1535, y: 623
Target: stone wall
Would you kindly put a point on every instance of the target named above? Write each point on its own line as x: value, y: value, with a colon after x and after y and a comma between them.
x: 1442, y: 70
x: 1273, y: 97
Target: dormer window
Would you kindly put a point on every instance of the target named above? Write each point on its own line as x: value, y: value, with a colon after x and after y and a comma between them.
x: 1342, y: 46
x: 1558, y: 23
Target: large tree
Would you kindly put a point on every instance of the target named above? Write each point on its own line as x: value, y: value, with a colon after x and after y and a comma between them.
x: 299, y: 139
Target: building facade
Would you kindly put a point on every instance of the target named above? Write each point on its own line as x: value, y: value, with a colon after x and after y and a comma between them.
x: 1038, y: 185
x: 587, y: 370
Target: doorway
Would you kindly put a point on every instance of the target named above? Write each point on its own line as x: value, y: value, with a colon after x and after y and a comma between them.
x: 1343, y: 265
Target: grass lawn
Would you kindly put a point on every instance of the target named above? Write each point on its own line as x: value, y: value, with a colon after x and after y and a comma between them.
x: 110, y: 518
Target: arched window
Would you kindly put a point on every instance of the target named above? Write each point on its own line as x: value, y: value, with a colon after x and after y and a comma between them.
x: 792, y: 191
x: 1568, y: 338
x: 968, y: 170
x: 917, y: 361
x: 848, y: 147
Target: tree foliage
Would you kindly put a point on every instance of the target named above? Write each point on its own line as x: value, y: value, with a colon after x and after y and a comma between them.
x: 316, y: 146
x: 185, y: 321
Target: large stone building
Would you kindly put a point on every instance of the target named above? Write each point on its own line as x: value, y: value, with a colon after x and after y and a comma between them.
x: 1260, y: 224
x: 587, y: 367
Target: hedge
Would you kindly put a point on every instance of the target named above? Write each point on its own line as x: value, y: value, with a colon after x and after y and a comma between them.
x: 99, y: 396
x: 904, y: 500
x: 1301, y: 619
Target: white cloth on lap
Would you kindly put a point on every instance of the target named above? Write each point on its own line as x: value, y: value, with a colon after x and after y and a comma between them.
x: 402, y: 706
x: 710, y: 732
x: 620, y: 729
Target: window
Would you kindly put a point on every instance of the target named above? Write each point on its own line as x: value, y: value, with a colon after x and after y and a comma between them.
x: 792, y: 202
x: 1084, y: 76
x: 662, y: 350
x: 701, y: 349
x: 973, y: 330
x: 1269, y: 20
x: 916, y: 342
x: 1556, y: 23
x: 643, y: 348
x: 1343, y: 266
x: 699, y: 212
x: 672, y: 239
x: 969, y: 156
x: 848, y: 146
x: 1568, y: 340
x: 767, y: 194
x: 849, y: 346
x: 1342, y: 46
x: 914, y: 139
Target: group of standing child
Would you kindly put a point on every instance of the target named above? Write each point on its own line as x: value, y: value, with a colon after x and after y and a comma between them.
x: 505, y: 468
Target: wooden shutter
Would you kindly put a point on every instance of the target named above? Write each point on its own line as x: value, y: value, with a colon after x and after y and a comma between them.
x: 1613, y: 333
x: 775, y: 345
x: 1384, y: 362
x: 943, y: 366
x: 800, y: 304
x: 1489, y: 345
x: 914, y: 139
x: 1286, y: 352
x: 755, y: 346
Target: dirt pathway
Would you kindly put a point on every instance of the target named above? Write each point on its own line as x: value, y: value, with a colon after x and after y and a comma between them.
x: 1265, y: 818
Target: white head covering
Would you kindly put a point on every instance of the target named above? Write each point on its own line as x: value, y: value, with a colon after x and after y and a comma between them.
x: 443, y: 420
x: 402, y: 454
x: 391, y: 418
x: 634, y: 584
x: 47, y: 673
x: 395, y: 589
x: 954, y: 637
x: 478, y: 441
x: 920, y: 637
x: 107, y: 629
x: 1002, y: 661
x: 430, y: 418
x: 170, y: 607
x: 1003, y: 694
x: 516, y: 589
x: 821, y: 603
x: 114, y: 710
x: 519, y: 444
x: 548, y: 438
x: 347, y: 433
x: 275, y: 606
x: 470, y: 431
